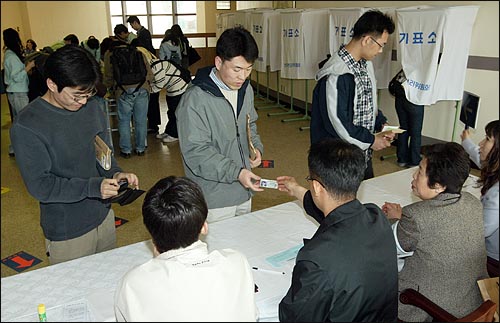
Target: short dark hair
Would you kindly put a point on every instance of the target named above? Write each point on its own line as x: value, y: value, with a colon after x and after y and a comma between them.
x: 237, y: 41
x: 93, y: 43
x: 174, y: 211
x: 132, y: 19
x: 373, y: 23
x: 72, y: 38
x: 72, y: 66
x: 448, y: 165
x: 338, y: 165
x: 120, y: 28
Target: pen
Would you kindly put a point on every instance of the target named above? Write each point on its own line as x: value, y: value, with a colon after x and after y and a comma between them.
x: 269, y: 271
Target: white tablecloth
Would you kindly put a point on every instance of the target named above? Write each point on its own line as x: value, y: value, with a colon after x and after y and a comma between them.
x: 82, y: 289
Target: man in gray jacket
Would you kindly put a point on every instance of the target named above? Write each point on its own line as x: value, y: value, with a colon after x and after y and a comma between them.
x: 212, y: 126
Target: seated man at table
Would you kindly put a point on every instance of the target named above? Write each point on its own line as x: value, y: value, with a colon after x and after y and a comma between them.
x: 184, y: 282
x: 348, y: 270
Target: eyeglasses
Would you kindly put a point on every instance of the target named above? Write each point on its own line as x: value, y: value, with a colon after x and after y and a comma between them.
x: 310, y: 179
x: 376, y: 42
x: 80, y: 98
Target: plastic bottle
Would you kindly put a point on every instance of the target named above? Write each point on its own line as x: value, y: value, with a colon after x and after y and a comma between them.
x: 42, y: 316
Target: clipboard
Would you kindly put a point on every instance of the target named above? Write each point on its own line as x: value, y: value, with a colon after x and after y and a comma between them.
x: 253, y: 152
x: 102, y: 153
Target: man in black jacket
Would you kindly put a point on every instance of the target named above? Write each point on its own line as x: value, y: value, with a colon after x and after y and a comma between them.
x: 145, y: 40
x: 344, y: 101
x: 347, y: 272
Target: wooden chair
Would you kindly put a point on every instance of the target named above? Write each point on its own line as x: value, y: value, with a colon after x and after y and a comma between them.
x: 484, y: 313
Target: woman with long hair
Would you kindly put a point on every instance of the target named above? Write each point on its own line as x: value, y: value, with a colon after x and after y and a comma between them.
x: 16, y: 73
x: 169, y: 48
x: 30, y: 47
x: 183, y: 44
x: 486, y: 156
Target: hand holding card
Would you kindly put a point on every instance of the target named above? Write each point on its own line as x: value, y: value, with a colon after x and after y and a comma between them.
x: 268, y: 183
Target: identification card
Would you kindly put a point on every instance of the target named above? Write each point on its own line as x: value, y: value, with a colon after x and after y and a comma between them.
x: 268, y: 183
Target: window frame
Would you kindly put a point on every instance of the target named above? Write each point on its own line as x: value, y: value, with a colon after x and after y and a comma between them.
x: 149, y: 16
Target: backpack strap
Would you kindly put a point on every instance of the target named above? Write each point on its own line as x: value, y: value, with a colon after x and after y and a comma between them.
x: 149, y: 57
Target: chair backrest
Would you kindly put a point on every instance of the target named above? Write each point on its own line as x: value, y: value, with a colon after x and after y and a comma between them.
x: 484, y: 313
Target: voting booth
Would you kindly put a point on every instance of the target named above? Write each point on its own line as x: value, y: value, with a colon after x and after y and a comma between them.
x: 425, y: 34
x: 304, y: 42
x: 382, y: 63
x: 224, y: 21
x: 260, y: 30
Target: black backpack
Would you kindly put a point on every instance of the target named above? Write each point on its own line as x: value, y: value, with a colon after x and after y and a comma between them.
x: 128, y: 66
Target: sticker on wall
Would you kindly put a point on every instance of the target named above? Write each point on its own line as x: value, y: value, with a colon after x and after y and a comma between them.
x: 21, y: 261
x: 267, y: 163
x: 5, y: 189
x: 119, y: 221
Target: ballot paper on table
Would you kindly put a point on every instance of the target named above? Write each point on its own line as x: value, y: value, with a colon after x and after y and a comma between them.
x: 102, y: 153
x: 253, y: 152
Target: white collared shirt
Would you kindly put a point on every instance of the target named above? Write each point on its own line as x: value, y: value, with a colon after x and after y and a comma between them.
x: 188, y: 284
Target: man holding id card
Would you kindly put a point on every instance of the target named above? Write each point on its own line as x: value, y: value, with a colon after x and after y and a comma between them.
x: 219, y: 146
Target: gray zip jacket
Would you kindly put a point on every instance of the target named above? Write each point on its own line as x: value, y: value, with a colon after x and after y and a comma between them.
x: 213, y: 142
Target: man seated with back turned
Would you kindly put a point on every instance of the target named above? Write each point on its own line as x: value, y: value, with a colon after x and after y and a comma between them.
x: 184, y: 282
x: 348, y: 270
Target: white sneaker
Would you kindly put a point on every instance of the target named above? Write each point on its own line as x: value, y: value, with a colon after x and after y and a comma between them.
x: 161, y: 135
x: 169, y: 139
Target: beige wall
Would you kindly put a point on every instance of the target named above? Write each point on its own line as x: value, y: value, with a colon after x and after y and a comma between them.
x: 48, y: 22
x: 51, y: 21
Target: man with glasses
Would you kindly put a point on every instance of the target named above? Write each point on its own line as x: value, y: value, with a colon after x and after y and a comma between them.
x: 347, y: 272
x: 345, y: 97
x: 53, y: 139
x: 212, y: 127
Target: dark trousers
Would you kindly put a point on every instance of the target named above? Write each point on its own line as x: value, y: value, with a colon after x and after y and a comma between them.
x: 171, y: 127
x: 411, y: 118
x: 154, y: 117
x: 369, y: 170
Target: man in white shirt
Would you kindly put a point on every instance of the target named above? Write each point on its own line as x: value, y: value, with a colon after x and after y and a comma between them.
x: 184, y: 282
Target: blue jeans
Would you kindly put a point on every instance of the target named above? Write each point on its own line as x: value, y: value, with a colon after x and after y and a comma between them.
x: 411, y: 118
x: 17, y: 100
x: 135, y: 104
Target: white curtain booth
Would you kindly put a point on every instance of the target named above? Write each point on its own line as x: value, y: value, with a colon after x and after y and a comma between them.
x: 304, y: 42
x: 423, y: 33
